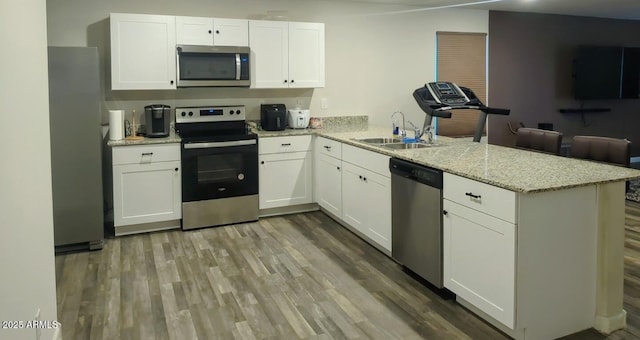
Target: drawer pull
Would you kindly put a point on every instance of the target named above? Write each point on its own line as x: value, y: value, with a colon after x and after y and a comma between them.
x: 327, y: 147
x: 286, y: 144
x: 470, y: 194
x: 445, y: 213
x: 147, y: 153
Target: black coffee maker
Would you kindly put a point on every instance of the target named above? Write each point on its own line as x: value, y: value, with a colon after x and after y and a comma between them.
x: 273, y: 117
x: 156, y: 117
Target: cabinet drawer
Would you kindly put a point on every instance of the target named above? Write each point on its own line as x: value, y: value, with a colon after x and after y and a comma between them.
x: 284, y: 144
x: 370, y: 160
x: 489, y: 199
x: 136, y: 154
x: 329, y: 147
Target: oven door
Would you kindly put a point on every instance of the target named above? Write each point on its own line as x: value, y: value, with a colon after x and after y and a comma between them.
x: 213, y: 170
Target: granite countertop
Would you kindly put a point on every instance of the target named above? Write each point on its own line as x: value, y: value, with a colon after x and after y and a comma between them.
x: 509, y: 168
x: 173, y: 138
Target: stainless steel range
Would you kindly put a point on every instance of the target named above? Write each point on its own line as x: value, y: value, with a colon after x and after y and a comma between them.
x: 219, y: 166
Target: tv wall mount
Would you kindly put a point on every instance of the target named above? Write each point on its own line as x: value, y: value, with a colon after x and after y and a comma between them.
x: 436, y: 99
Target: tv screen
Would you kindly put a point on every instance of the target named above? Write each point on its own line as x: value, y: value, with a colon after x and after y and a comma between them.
x: 598, y: 72
x: 631, y: 73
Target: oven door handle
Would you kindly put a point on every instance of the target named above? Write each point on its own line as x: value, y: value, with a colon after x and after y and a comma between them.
x: 219, y: 144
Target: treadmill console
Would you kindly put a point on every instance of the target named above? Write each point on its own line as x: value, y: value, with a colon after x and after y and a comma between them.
x: 447, y: 93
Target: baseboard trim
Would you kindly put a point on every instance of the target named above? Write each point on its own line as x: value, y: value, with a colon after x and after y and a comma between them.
x: 608, y: 325
x: 294, y: 209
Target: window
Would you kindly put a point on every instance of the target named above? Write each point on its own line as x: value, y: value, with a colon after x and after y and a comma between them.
x: 462, y: 59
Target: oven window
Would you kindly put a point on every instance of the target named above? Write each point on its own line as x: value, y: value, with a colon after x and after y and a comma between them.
x: 219, y: 168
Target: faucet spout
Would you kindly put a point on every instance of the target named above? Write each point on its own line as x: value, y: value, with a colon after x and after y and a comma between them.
x: 403, y: 133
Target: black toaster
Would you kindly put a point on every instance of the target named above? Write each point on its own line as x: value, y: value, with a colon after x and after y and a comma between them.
x: 273, y: 117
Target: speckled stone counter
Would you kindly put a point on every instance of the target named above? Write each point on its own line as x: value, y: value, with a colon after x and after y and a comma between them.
x: 173, y: 138
x: 329, y: 124
x: 513, y: 169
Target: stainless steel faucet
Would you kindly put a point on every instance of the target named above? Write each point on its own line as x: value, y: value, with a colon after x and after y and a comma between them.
x: 427, y: 130
x: 403, y: 132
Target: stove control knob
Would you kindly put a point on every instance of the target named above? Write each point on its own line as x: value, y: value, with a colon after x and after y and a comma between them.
x: 230, y: 112
x: 237, y: 112
x: 183, y: 114
x: 190, y: 113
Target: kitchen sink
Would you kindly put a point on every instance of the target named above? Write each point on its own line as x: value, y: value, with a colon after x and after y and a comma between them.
x: 378, y: 140
x: 405, y: 146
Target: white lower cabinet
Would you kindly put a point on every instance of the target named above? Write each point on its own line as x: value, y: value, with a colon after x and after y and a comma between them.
x: 285, y: 170
x: 479, y: 260
x: 526, y: 262
x: 146, y: 187
x: 366, y: 195
x: 327, y: 174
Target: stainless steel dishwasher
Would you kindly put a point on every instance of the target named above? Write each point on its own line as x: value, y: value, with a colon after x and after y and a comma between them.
x: 416, y: 219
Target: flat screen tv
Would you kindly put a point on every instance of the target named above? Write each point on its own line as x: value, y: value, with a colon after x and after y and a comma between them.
x: 606, y: 72
x: 598, y: 72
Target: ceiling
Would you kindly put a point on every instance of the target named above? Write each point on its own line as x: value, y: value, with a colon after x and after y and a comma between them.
x: 617, y: 9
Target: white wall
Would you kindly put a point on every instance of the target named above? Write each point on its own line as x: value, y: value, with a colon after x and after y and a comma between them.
x: 26, y: 213
x: 376, y: 54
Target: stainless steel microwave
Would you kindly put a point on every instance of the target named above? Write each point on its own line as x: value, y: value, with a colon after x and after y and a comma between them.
x: 199, y: 66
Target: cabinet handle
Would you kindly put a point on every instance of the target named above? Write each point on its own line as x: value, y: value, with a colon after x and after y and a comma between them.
x: 360, y: 177
x: 470, y: 194
x: 171, y: 82
x: 364, y: 178
x: 285, y: 80
x: 327, y: 147
x: 217, y: 31
x: 209, y: 31
x: 262, y: 162
x: 338, y: 168
x: 292, y: 81
x: 286, y: 144
x: 445, y: 213
x: 147, y: 153
x: 176, y: 169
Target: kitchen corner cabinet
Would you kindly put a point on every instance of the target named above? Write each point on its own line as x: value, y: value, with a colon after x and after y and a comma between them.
x: 146, y: 188
x: 328, y: 175
x: 286, y: 54
x: 212, y: 31
x: 366, y: 194
x: 142, y: 52
x: 499, y: 246
x: 285, y: 171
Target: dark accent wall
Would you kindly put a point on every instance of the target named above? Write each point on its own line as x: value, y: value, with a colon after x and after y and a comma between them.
x: 530, y: 72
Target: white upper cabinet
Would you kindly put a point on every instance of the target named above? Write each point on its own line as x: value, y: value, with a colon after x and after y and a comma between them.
x: 212, y: 31
x: 142, y: 52
x: 286, y: 54
x: 306, y: 54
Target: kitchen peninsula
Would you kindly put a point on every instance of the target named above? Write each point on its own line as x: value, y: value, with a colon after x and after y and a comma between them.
x: 540, y: 255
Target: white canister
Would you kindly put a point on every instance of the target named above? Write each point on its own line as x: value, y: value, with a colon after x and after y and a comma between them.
x: 116, y: 124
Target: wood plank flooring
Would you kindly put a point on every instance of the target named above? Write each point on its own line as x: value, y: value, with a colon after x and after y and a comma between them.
x: 296, y: 276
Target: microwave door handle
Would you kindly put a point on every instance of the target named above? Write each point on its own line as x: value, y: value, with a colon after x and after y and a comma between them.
x: 238, y: 69
x: 219, y: 144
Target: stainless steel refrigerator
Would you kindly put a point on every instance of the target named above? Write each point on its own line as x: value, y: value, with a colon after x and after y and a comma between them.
x: 76, y: 160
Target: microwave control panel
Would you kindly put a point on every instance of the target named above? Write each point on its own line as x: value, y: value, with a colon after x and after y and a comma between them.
x: 447, y: 93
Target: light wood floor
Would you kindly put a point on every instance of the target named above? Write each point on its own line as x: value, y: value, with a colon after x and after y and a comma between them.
x: 297, y: 276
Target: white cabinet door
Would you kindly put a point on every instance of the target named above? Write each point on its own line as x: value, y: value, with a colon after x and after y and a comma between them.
x: 328, y: 185
x: 377, y: 194
x: 148, y: 192
x: 194, y: 31
x: 285, y: 179
x: 479, y: 260
x: 306, y: 54
x: 366, y: 203
x: 142, y: 52
x: 354, y: 207
x: 212, y: 31
x: 230, y: 32
x: 269, y: 42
